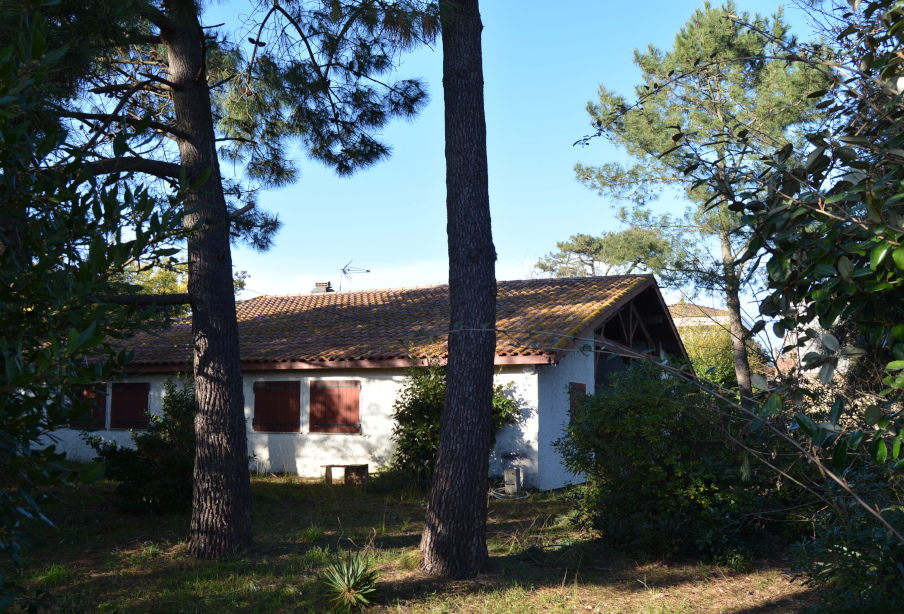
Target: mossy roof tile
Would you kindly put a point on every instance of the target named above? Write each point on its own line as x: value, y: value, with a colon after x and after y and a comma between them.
x: 534, y: 317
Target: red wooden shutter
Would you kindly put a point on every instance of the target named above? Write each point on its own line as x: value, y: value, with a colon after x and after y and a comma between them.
x: 277, y: 407
x: 98, y: 417
x: 129, y: 406
x: 576, y: 392
x: 334, y: 406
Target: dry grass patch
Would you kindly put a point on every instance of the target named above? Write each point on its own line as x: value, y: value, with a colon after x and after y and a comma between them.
x: 99, y: 560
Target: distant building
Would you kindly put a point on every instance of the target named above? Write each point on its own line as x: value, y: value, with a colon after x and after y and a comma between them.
x: 687, y: 315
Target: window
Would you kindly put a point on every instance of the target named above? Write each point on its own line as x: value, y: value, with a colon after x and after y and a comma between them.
x: 576, y: 392
x: 277, y: 407
x: 129, y: 406
x: 97, y: 419
x: 334, y: 406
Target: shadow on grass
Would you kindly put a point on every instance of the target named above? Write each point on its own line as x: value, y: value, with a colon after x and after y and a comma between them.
x: 117, y: 562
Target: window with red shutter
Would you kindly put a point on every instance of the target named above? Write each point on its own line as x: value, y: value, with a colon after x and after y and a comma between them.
x: 277, y: 407
x: 334, y: 406
x: 129, y: 406
x: 576, y: 392
x: 97, y: 419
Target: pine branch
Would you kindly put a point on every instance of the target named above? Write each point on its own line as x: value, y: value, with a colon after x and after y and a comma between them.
x: 86, y: 117
x: 241, y: 211
x: 157, y: 168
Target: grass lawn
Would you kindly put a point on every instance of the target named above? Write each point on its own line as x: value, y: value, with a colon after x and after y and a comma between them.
x: 99, y: 560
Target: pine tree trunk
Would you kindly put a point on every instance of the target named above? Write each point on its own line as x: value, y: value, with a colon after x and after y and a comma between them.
x: 738, y: 334
x: 454, y: 537
x: 221, y: 505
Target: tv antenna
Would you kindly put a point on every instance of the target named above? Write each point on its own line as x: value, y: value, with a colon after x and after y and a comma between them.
x: 347, y: 271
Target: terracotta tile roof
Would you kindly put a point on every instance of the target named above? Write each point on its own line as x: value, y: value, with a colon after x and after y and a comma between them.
x: 689, y: 310
x: 398, y: 323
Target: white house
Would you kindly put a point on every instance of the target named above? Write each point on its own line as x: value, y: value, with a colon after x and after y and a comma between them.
x: 322, y: 370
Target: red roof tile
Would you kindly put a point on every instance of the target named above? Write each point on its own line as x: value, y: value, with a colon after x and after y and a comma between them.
x: 399, y: 323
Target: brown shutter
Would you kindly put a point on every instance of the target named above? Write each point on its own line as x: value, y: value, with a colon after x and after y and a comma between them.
x: 576, y: 392
x: 129, y: 406
x: 334, y: 406
x: 277, y: 407
x: 97, y: 419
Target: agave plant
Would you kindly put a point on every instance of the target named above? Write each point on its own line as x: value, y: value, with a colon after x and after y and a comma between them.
x: 350, y: 584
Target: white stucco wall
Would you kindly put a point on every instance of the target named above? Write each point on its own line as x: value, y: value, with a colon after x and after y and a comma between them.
x: 553, y: 382
x: 72, y: 442
x: 304, y: 453
x: 517, y: 444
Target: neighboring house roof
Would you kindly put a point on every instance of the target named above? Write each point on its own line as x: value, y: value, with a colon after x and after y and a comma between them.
x: 689, y: 310
x: 399, y: 324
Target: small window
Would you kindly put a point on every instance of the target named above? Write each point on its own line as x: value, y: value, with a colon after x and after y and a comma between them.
x: 335, y: 406
x: 576, y: 392
x: 97, y: 419
x: 277, y: 407
x: 129, y: 406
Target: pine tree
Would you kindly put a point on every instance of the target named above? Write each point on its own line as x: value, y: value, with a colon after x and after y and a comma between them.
x: 720, y: 78
x: 454, y: 537
x: 313, y: 72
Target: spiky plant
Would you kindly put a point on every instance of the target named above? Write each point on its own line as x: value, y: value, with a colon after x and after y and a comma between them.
x: 350, y: 584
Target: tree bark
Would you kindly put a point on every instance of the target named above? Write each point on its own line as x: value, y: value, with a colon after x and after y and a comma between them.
x: 454, y: 537
x: 221, y: 504
x: 736, y: 323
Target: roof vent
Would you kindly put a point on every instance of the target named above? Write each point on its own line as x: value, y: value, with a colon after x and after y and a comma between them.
x: 322, y: 286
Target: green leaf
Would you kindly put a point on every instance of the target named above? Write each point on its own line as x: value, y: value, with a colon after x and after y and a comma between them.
x: 824, y: 270
x: 758, y: 381
x: 872, y: 415
x: 898, y: 332
x: 830, y: 342
x: 827, y: 373
x: 835, y: 413
x: 898, y: 257
x: 845, y: 268
x: 895, y: 365
x: 896, y: 446
x: 772, y: 406
x: 805, y: 424
x: 880, y: 453
x: 878, y: 253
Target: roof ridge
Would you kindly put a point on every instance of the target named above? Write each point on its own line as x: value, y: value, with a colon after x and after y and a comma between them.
x: 498, y: 281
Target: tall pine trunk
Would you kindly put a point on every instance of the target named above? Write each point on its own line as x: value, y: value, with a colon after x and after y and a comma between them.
x: 735, y: 321
x: 454, y: 537
x: 221, y: 505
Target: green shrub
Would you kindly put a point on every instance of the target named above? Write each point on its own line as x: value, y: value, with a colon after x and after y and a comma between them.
x: 855, y: 563
x: 417, y: 413
x: 659, y: 481
x: 157, y: 475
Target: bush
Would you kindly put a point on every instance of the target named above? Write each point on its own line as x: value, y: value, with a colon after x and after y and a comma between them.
x: 658, y: 481
x: 417, y: 413
x: 854, y: 562
x: 157, y: 475
x: 712, y: 355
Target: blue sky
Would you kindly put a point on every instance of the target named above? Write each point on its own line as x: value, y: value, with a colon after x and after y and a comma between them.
x: 542, y: 63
